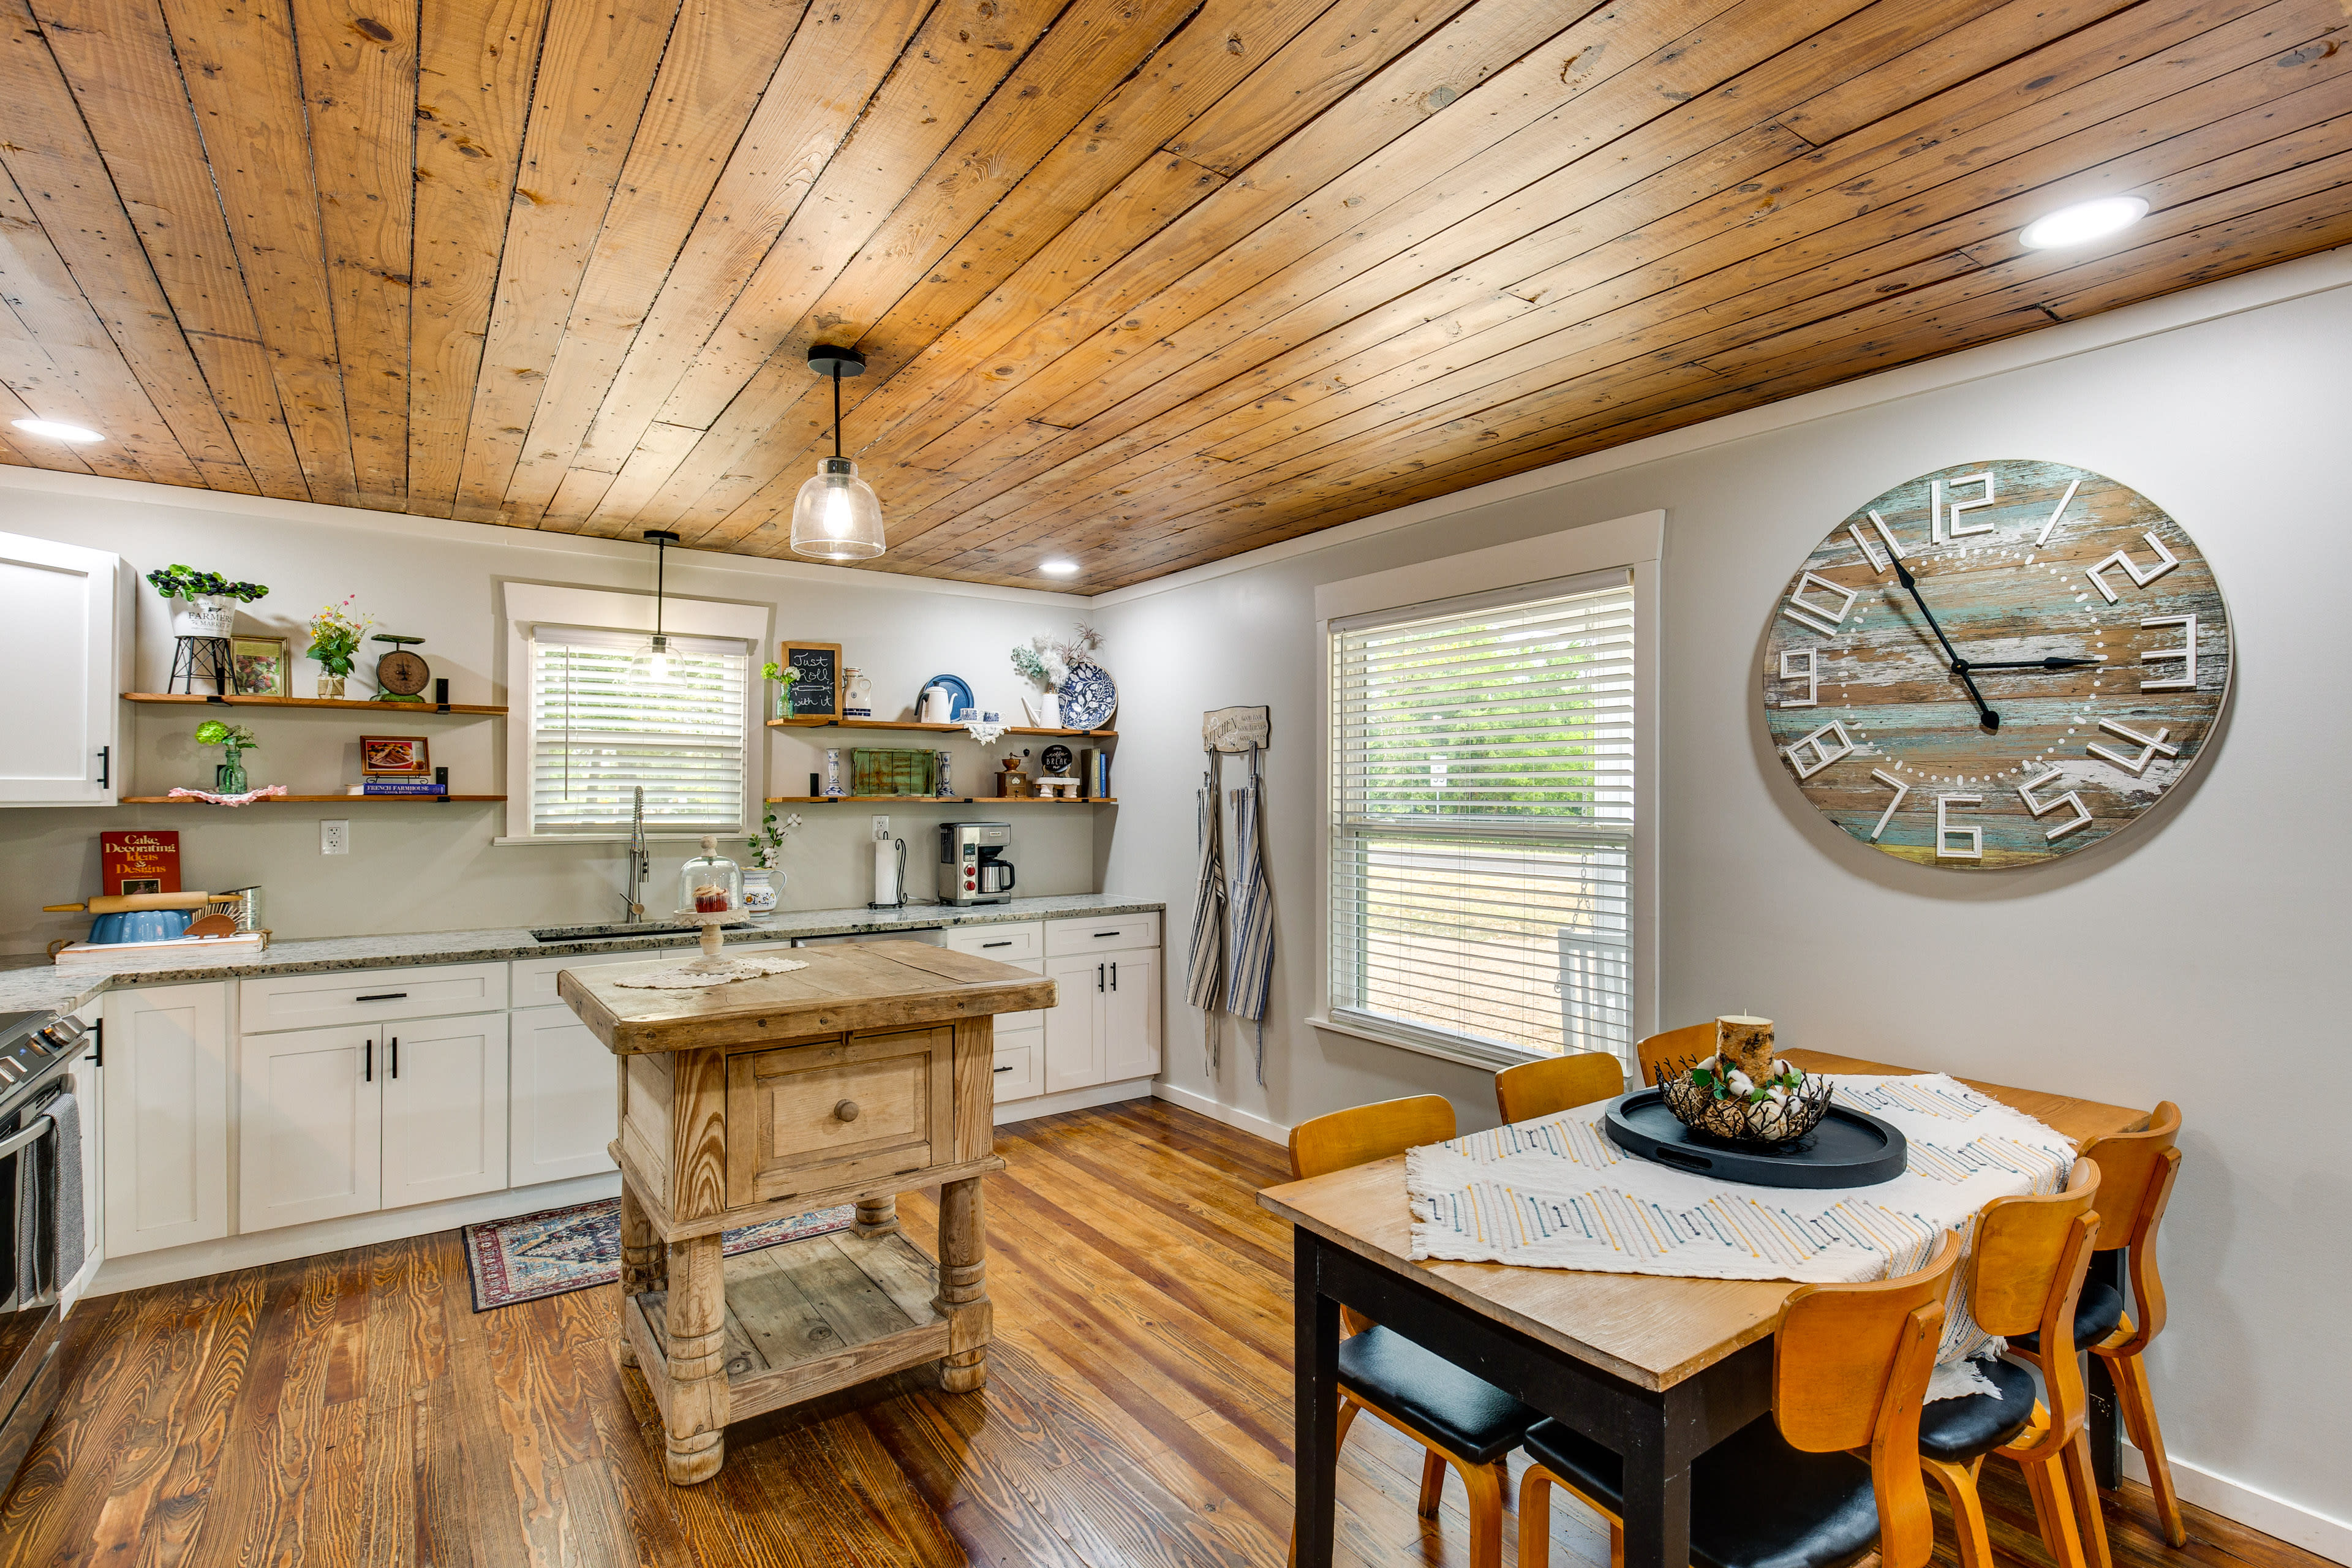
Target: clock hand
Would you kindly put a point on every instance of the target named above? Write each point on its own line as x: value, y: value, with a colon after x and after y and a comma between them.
x: 2029, y: 663
x: 1959, y: 666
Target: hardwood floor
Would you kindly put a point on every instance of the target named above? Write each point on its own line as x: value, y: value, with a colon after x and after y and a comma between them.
x: 354, y: 1409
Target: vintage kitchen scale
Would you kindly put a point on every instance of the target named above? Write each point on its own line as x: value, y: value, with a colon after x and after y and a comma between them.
x: 401, y: 675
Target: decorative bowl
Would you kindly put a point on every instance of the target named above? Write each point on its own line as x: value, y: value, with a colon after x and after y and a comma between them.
x: 1710, y: 1109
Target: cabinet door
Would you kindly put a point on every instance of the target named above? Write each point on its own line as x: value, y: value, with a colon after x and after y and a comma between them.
x: 1073, y: 1025
x: 58, y: 643
x: 445, y: 1108
x: 1130, y: 1015
x: 166, y: 1089
x: 310, y: 1126
x: 564, y: 1110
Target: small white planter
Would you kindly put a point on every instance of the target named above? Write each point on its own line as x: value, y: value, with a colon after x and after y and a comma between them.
x: 208, y: 616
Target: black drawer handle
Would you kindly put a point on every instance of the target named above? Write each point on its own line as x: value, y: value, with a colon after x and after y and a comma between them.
x: 1007, y: 1068
x: 382, y: 996
x: 1006, y: 943
x: 1100, y: 934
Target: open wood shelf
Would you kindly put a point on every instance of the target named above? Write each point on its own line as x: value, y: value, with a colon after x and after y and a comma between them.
x: 936, y: 800
x: 368, y: 704
x: 297, y: 799
x: 917, y: 724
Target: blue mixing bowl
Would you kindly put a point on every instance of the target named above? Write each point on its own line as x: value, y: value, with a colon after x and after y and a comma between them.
x: 141, y: 925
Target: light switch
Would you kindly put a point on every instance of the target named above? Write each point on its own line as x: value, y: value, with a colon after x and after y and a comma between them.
x: 335, y: 837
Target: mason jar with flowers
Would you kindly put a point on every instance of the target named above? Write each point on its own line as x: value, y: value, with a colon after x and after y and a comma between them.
x: 204, y: 604
x: 235, y: 741
x: 780, y: 679
x: 335, y: 634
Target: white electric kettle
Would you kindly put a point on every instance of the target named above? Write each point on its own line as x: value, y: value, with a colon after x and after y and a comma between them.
x: 936, y: 706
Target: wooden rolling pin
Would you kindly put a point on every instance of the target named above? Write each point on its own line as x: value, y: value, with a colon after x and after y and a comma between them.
x: 117, y: 903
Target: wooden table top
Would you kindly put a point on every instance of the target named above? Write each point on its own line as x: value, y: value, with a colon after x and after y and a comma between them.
x: 1652, y: 1329
x: 854, y: 986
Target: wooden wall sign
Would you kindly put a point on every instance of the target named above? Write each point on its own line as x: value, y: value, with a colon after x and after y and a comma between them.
x: 1997, y: 664
x: 816, y: 695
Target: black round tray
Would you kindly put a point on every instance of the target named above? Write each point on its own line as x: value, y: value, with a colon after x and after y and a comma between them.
x: 1847, y: 1149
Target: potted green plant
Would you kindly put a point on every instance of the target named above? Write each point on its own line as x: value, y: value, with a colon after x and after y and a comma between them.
x: 204, y: 604
x: 780, y: 691
x: 335, y: 634
x: 235, y: 741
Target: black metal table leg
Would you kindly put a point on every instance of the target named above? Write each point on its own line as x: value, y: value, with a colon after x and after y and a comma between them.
x: 1316, y: 1366
x: 2104, y: 1430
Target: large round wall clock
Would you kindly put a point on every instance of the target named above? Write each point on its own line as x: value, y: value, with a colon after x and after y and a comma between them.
x: 1997, y: 664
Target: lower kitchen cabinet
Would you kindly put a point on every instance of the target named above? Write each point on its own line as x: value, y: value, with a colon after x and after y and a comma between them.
x: 1104, y: 1025
x: 362, y: 1117
x: 564, y: 1118
x: 166, y: 1113
x: 1130, y: 1015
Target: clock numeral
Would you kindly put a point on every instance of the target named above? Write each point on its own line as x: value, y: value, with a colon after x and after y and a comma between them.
x: 2187, y: 654
x: 1946, y: 831
x: 1900, y: 789
x: 1878, y: 563
x: 2056, y: 512
x: 2165, y: 561
x: 1818, y: 617
x: 2151, y: 747
x: 2041, y: 808
x: 1818, y: 744
x: 1808, y: 671
x: 1953, y: 510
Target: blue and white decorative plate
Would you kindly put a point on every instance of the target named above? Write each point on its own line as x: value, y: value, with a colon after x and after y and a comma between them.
x: 960, y: 696
x: 1088, y: 698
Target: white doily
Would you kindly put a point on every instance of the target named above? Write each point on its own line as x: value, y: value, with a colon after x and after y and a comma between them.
x: 248, y: 799
x: 685, y: 977
x: 986, y: 731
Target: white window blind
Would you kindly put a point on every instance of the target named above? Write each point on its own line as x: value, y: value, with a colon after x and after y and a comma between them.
x: 607, y: 717
x: 1482, y: 819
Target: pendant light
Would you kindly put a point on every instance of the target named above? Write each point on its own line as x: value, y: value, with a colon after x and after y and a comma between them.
x: 655, y: 658
x: 837, y: 516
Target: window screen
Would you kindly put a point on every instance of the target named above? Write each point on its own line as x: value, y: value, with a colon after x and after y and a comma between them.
x: 607, y: 716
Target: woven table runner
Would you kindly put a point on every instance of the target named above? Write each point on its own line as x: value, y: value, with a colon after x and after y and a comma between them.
x: 1555, y: 1193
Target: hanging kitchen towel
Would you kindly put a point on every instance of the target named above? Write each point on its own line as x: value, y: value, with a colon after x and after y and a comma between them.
x: 67, y: 1112
x: 1252, y: 911
x: 1204, y: 972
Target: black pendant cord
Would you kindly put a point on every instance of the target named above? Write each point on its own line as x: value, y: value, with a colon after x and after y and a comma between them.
x: 836, y: 408
x: 661, y: 565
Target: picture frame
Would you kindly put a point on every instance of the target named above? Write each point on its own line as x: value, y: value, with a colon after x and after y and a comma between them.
x: 258, y: 666
x: 817, y: 694
x: 395, y: 757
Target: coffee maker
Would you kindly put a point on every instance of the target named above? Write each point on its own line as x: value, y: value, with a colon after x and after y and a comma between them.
x: 972, y: 868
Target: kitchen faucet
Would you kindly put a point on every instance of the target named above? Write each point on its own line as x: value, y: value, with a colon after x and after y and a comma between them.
x: 641, y: 861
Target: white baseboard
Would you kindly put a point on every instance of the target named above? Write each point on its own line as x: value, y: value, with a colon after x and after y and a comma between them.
x: 200, y: 1259
x: 1074, y: 1099
x: 2290, y: 1521
x: 1248, y: 1121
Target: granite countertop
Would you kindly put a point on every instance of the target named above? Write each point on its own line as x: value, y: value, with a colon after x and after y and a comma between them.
x: 30, y: 980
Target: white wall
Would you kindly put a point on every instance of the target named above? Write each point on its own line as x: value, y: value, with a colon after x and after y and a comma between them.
x: 2198, y: 957
x: 423, y: 866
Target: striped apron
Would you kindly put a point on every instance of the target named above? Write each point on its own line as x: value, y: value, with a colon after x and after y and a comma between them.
x: 1204, y: 973
x: 1253, y: 912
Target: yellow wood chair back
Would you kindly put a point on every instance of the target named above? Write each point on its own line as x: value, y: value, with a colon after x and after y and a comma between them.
x: 2032, y: 1254
x: 1367, y: 1132
x: 1849, y: 1369
x: 2137, y: 1171
x: 1548, y: 1087
x: 1691, y: 1043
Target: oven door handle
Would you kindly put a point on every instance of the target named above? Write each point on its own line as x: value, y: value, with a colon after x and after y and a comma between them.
x: 16, y: 1142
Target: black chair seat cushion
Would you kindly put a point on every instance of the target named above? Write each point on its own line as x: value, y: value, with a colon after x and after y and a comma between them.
x: 1433, y: 1396
x: 1755, y: 1502
x: 1958, y: 1430
x: 2097, y: 1311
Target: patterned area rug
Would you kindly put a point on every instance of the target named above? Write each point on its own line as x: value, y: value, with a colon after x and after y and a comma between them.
x: 556, y: 1250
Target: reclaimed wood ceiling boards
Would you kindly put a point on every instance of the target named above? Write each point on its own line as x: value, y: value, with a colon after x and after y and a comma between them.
x: 1142, y: 282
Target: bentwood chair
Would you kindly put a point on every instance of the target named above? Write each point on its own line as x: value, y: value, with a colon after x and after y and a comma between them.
x: 1558, y: 1084
x: 2027, y: 1272
x: 1850, y: 1368
x: 2136, y: 1175
x: 1693, y: 1042
x: 1461, y: 1420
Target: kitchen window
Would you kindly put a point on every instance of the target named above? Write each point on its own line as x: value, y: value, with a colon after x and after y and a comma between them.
x: 1488, y: 858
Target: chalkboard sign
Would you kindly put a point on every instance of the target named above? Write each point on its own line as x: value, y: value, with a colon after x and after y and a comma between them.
x: 816, y: 695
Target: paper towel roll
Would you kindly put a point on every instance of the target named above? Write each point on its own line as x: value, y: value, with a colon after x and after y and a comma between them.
x: 885, y: 871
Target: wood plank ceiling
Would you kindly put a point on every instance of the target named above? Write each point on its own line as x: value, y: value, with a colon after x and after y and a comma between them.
x: 1143, y: 283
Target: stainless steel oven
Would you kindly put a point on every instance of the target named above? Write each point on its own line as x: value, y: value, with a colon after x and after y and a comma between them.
x: 37, y: 1254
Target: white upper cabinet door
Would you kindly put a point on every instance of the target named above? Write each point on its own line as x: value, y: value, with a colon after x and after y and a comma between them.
x: 64, y: 645
x: 566, y: 1112
x: 445, y: 1108
x: 1073, y: 1025
x: 1130, y: 1016
x: 166, y: 1116
x: 310, y: 1126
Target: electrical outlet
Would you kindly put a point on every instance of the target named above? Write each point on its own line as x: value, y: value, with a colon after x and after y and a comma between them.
x: 881, y: 829
x: 335, y: 837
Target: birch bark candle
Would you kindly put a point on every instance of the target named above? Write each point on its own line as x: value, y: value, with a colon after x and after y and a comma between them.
x: 1745, y: 1044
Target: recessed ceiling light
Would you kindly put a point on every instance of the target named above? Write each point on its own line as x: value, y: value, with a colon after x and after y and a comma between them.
x: 1058, y: 568
x: 57, y: 432
x: 2082, y: 223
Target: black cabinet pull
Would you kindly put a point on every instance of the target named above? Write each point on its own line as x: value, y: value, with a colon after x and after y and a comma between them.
x: 395, y: 1056
x: 1007, y: 1068
x: 1098, y: 976
x: 105, y: 765
x: 1114, y: 976
x: 367, y: 1062
x: 1100, y: 934
x: 1005, y: 943
x: 382, y: 996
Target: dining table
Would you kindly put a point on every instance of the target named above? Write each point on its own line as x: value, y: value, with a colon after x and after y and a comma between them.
x: 1658, y: 1368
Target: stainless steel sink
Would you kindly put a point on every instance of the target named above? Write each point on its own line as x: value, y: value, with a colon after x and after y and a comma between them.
x: 625, y: 929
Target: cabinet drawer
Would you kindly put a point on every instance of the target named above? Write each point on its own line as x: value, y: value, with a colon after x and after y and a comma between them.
x: 1020, y: 1066
x: 1101, y: 934
x: 1005, y: 943
x: 370, y: 995
x: 1013, y: 1023
x: 534, y: 978
x: 807, y: 1117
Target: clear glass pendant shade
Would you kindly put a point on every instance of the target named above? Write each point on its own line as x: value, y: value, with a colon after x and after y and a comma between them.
x: 837, y: 516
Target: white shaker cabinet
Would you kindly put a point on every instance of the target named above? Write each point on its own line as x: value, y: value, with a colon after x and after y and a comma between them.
x: 563, y: 1116
x: 444, y: 1083
x: 1130, y: 1015
x: 310, y: 1126
x: 1074, y: 1035
x: 166, y: 1116
x: 66, y: 644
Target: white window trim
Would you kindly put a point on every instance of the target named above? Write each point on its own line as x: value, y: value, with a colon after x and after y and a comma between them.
x: 534, y: 604
x: 1632, y: 545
